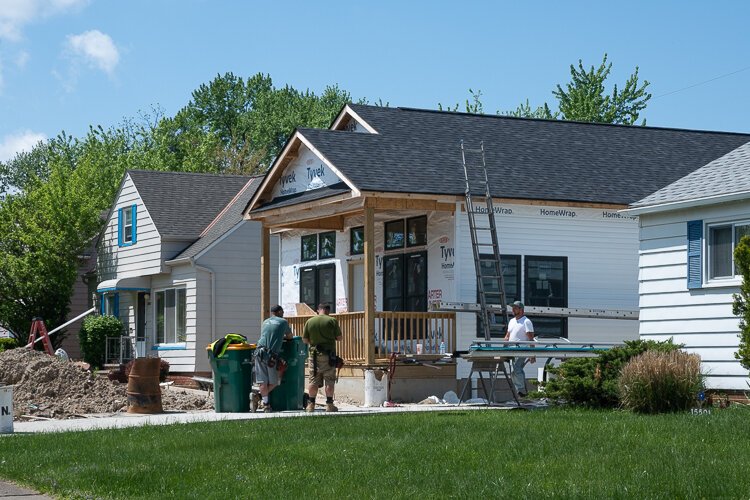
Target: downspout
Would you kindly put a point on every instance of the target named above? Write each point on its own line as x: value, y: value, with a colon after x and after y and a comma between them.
x: 213, y: 296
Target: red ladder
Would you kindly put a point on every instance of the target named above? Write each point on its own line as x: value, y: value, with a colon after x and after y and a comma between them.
x: 38, y: 328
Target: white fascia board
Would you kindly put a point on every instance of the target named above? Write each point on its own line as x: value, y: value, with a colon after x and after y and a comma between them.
x: 267, y: 179
x: 347, y: 111
x: 679, y: 205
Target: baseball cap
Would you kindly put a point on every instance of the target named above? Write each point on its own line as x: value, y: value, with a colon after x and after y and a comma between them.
x: 518, y: 304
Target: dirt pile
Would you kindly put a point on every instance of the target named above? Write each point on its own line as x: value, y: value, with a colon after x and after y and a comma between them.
x: 45, y: 386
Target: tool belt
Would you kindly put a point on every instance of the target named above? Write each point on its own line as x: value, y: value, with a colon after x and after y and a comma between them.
x: 271, y: 358
x: 333, y: 360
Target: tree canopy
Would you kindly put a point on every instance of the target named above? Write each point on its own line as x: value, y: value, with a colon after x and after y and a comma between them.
x: 54, y: 195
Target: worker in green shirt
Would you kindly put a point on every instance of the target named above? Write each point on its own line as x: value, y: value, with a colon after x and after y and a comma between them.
x: 273, y: 332
x: 321, y: 333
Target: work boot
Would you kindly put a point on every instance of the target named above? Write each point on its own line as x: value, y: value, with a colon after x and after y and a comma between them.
x: 254, y: 402
x: 310, y: 406
x: 331, y: 407
x: 267, y: 409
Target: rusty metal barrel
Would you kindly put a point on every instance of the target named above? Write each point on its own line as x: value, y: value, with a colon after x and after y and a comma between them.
x: 144, y: 393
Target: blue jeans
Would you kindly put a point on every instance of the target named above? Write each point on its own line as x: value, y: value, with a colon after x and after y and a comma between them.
x: 517, y: 375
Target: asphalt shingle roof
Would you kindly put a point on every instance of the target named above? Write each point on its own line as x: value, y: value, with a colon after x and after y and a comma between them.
x: 230, y: 216
x: 183, y: 204
x: 726, y: 175
x: 417, y: 151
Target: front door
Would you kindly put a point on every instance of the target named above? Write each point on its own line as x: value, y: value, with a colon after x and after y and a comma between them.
x: 405, y: 282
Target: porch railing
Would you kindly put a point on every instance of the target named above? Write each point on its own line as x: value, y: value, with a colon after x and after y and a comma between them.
x: 119, y: 350
x: 394, y: 332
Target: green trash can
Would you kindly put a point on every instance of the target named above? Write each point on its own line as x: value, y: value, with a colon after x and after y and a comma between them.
x: 233, y: 378
x: 289, y: 393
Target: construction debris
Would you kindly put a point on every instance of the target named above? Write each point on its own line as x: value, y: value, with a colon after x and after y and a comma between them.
x: 47, y: 387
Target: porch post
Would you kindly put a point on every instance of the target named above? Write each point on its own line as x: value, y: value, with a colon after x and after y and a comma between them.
x: 265, y: 272
x: 370, y: 282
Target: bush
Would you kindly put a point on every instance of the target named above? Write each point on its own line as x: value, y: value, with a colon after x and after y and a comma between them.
x: 123, y: 371
x: 741, y: 304
x: 8, y: 343
x: 593, y: 382
x: 660, y: 382
x: 93, y: 334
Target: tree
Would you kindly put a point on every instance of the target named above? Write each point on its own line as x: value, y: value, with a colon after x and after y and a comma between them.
x: 741, y: 304
x: 584, y: 99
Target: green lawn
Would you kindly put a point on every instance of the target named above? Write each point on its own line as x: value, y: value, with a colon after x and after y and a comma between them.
x: 560, y: 453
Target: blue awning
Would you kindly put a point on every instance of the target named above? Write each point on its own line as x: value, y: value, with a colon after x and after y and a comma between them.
x: 134, y: 284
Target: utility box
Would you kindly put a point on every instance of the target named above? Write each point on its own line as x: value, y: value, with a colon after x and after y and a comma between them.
x: 233, y: 378
x: 290, y: 391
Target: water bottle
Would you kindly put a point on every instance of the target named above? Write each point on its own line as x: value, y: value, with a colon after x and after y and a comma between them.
x: 442, y: 348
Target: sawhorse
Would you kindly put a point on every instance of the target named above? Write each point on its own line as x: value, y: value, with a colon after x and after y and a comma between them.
x: 494, y: 368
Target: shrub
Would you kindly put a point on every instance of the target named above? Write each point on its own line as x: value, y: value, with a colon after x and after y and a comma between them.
x: 593, y: 382
x: 8, y: 343
x: 660, y: 382
x: 741, y: 305
x: 93, y: 334
x: 123, y: 371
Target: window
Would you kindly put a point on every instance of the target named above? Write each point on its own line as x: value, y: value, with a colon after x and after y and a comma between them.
x: 110, y: 304
x: 171, y: 316
x: 126, y: 224
x: 405, y: 282
x: 416, y: 231
x: 547, y: 285
x: 394, y: 234
x: 722, y: 239
x: 317, y: 284
x: 310, y: 247
x: 318, y: 246
x: 511, y: 269
x: 327, y: 245
x: 357, y: 240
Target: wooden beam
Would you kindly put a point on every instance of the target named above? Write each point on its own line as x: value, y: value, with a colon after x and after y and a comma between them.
x: 336, y: 222
x: 410, y: 204
x: 370, y: 283
x: 265, y: 273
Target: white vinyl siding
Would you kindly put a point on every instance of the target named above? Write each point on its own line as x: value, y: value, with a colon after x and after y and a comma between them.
x: 700, y: 318
x: 140, y: 259
x: 235, y: 262
x: 181, y: 355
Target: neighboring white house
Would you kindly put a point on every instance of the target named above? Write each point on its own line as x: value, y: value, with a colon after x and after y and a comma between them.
x: 557, y: 187
x: 687, y: 274
x: 178, y: 264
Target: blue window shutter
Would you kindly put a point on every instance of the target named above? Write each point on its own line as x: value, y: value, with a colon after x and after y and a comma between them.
x: 694, y: 259
x: 116, y: 312
x: 119, y: 227
x: 101, y: 304
x: 135, y: 223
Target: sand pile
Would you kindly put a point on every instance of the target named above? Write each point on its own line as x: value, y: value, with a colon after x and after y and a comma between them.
x: 45, y: 386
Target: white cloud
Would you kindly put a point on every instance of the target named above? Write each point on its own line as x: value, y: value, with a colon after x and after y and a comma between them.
x: 20, y: 141
x: 22, y: 58
x: 95, y: 48
x: 15, y: 14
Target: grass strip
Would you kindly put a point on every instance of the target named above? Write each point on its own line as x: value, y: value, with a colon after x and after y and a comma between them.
x: 554, y: 453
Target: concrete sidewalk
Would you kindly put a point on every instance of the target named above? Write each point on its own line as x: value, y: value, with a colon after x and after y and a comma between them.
x: 123, y: 420
x: 10, y: 490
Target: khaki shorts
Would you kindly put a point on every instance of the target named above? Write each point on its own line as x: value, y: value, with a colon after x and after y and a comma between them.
x: 325, y: 373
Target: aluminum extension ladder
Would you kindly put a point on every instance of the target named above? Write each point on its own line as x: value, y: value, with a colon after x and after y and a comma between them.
x: 475, y: 171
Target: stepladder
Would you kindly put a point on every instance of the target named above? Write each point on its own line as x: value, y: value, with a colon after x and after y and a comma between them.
x: 38, y: 328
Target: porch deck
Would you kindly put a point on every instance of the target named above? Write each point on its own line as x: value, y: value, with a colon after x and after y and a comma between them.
x: 395, y: 332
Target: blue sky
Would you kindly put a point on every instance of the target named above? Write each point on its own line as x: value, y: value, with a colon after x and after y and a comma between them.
x: 68, y: 64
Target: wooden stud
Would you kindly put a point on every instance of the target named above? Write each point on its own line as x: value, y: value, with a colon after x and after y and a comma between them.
x: 265, y: 273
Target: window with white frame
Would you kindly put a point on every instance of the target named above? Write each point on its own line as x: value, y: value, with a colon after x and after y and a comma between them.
x: 171, y: 315
x: 721, y: 242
